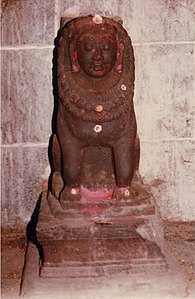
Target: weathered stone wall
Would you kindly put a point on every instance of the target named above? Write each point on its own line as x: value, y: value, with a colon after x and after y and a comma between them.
x: 163, y: 38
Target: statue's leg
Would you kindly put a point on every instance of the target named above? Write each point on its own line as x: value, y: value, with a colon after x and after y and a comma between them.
x: 136, y: 177
x: 71, y: 160
x: 72, y: 156
x: 137, y: 153
x: 124, y: 161
x: 124, y: 158
x: 56, y: 182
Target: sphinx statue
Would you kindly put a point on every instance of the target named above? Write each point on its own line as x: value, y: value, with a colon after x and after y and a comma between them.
x: 97, y: 218
x: 95, y: 108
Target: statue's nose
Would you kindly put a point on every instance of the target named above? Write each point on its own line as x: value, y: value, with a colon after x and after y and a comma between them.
x: 98, y: 53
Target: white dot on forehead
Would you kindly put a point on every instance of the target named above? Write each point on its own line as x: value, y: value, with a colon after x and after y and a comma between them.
x: 97, y: 19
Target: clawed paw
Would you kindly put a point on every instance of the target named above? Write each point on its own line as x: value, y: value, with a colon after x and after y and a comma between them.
x: 57, y: 184
x: 70, y: 194
x: 125, y: 193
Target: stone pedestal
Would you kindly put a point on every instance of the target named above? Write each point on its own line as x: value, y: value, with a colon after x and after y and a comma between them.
x: 93, y: 241
x: 97, y: 239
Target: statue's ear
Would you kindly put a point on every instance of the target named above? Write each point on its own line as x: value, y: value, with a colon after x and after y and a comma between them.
x: 73, y: 57
x: 119, y: 58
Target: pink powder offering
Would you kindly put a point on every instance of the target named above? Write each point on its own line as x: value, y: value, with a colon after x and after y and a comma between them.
x: 92, y: 196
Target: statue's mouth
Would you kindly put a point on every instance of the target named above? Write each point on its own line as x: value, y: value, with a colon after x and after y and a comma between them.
x: 98, y: 63
x: 99, y: 66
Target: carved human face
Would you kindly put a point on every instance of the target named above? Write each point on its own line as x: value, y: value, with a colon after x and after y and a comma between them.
x: 96, y: 53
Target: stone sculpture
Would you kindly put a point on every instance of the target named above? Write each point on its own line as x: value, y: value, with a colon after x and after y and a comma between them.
x: 97, y: 219
x: 96, y: 88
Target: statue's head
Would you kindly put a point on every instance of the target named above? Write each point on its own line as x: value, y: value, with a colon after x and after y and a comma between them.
x: 94, y: 47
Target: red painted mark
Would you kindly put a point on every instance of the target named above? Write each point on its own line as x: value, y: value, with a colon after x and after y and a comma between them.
x: 118, y: 55
x: 74, y: 55
x: 119, y: 68
x: 95, y: 195
x: 121, y: 46
x: 75, y: 68
x: 99, y: 116
x: 99, y: 38
x: 101, y: 249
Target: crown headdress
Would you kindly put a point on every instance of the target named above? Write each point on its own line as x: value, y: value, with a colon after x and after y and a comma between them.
x: 86, y: 24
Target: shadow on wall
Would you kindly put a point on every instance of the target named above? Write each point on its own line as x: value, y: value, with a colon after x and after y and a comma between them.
x: 31, y: 226
x: 31, y: 229
x: 31, y: 235
x: 51, y: 151
x: 55, y: 103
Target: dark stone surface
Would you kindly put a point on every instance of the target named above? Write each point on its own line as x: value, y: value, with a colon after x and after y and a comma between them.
x: 179, y: 236
x: 77, y: 219
x: 99, y: 257
x: 95, y: 78
x: 106, y: 239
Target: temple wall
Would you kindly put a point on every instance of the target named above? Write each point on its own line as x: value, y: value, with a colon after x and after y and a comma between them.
x: 162, y: 32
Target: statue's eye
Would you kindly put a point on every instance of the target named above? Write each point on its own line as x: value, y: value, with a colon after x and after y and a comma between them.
x: 88, y: 47
x: 108, y: 43
x: 88, y: 44
x: 106, y: 47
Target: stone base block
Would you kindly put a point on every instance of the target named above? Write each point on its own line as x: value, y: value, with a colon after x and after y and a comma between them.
x: 96, y: 240
x: 99, y: 239
x: 95, y: 257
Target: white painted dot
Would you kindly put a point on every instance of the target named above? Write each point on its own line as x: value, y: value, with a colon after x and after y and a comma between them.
x: 97, y: 19
x: 123, y: 87
x: 126, y: 193
x: 73, y: 191
x: 99, y: 108
x: 97, y: 128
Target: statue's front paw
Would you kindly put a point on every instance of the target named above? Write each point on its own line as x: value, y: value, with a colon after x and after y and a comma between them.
x: 70, y: 194
x: 125, y: 193
x: 57, y: 184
